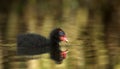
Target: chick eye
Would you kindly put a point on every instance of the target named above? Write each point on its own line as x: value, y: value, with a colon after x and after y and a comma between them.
x: 61, y: 33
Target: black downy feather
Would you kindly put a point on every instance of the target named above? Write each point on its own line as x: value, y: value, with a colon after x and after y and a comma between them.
x: 34, y: 44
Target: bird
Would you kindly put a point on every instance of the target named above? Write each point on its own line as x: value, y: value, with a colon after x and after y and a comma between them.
x: 35, y: 44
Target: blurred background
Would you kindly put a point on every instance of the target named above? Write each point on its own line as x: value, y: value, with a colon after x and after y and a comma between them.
x: 92, y: 27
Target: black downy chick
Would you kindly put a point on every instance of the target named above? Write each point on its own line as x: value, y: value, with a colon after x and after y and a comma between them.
x: 34, y: 44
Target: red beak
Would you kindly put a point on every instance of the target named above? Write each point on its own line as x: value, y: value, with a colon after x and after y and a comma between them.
x: 64, y: 54
x: 63, y: 38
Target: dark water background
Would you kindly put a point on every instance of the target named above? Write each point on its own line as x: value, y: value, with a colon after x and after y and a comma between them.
x: 92, y: 28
